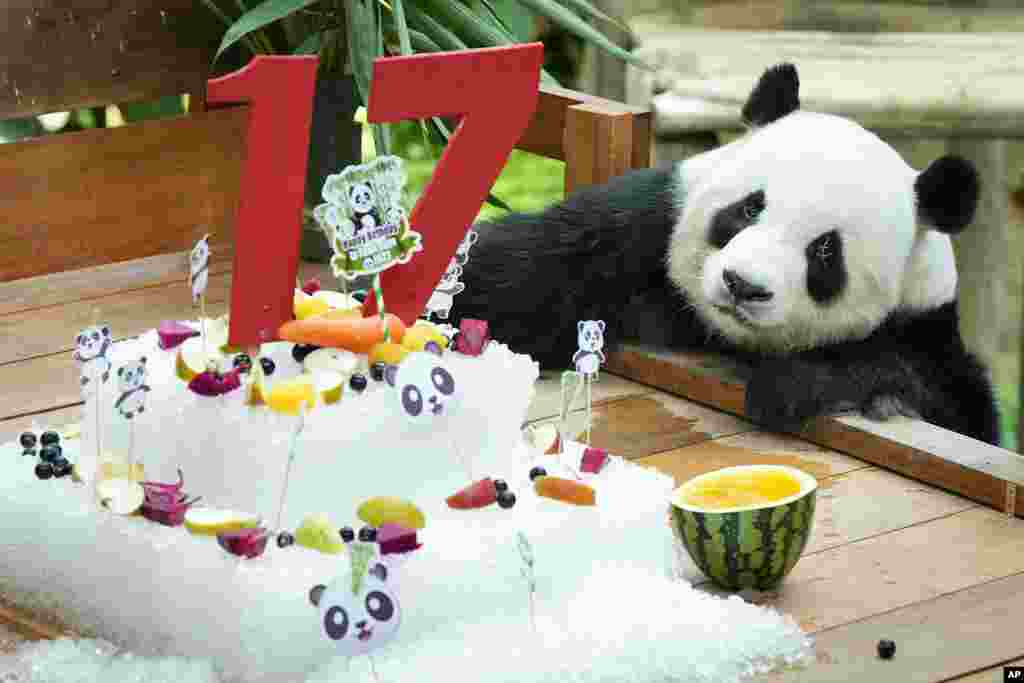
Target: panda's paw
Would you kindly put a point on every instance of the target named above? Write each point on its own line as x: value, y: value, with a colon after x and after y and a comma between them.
x: 783, y: 395
x: 881, y: 407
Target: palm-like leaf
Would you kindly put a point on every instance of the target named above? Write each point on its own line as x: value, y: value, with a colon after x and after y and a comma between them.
x: 571, y: 22
x: 261, y: 15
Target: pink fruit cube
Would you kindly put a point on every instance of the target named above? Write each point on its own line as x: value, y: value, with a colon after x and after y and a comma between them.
x: 594, y: 459
x: 473, y: 337
x: 395, y: 538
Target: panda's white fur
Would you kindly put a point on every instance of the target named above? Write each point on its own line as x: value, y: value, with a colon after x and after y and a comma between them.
x: 894, y: 264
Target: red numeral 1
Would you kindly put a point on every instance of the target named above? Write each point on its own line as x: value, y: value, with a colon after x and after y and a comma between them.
x: 280, y: 92
x: 495, y: 92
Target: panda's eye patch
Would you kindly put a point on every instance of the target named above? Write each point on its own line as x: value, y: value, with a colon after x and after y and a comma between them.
x: 336, y: 623
x: 443, y: 380
x: 412, y: 400
x: 379, y: 606
x: 730, y: 220
x: 826, y: 270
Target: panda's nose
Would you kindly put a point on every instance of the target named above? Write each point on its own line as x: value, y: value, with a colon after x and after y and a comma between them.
x: 742, y: 290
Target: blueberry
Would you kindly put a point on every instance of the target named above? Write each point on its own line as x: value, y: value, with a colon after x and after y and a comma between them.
x: 377, y: 371
x: 61, y: 468
x: 357, y: 382
x: 29, y: 451
x: 50, y: 438
x: 50, y: 453
x: 367, y: 534
x: 506, y: 499
x: 268, y: 366
x: 500, y: 485
x: 538, y: 472
x: 28, y: 440
x: 432, y: 347
x: 285, y: 539
x: 347, y: 534
x: 44, y: 470
x: 300, y: 351
x: 243, y: 362
x: 886, y: 649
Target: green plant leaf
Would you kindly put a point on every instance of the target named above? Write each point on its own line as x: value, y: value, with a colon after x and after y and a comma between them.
x: 361, y: 41
x: 263, y: 14
x: 513, y: 17
x: 421, y: 43
x: 583, y: 7
x: 404, y: 41
x: 433, y: 29
x: 219, y: 13
x: 463, y: 21
x: 568, y: 20
x: 310, y: 46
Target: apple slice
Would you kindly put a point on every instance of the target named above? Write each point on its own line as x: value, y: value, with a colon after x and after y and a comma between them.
x: 317, y: 533
x: 544, y: 438
x: 193, y: 358
x: 173, y: 333
x: 211, y: 521
x: 479, y: 494
x: 330, y: 385
x: 331, y: 360
x: 121, y: 496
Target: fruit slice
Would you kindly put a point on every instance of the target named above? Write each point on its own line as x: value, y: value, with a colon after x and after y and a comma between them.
x: 545, y: 438
x: 248, y: 543
x: 215, y: 383
x: 477, y: 495
x: 388, y: 353
x: 121, y: 496
x: 331, y: 360
x: 565, y: 490
x: 395, y: 538
x: 255, y: 388
x: 291, y: 396
x: 343, y: 314
x: 383, y: 510
x: 311, y: 286
x: 193, y: 358
x: 355, y: 334
x: 317, y: 533
x: 329, y: 385
x: 306, y: 306
x: 211, y: 521
x: 217, y: 334
x: 594, y: 460
x: 338, y: 300
x: 173, y: 333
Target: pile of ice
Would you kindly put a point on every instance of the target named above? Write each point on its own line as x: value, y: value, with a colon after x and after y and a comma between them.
x: 607, y: 607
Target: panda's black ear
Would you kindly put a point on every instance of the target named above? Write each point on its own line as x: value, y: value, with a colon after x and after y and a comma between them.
x: 315, y: 593
x: 390, y: 373
x: 776, y: 94
x: 947, y: 194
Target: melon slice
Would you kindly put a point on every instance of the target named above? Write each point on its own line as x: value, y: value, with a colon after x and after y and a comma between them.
x: 211, y: 521
x: 745, y: 526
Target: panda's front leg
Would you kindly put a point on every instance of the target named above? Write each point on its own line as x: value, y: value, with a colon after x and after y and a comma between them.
x: 783, y: 394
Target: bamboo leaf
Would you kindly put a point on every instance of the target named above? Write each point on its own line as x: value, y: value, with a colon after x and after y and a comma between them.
x: 310, y: 46
x: 568, y: 20
x: 404, y: 41
x: 464, y: 22
x: 263, y: 14
x: 421, y: 43
x: 361, y: 42
x: 219, y: 13
x: 433, y: 29
x: 584, y: 8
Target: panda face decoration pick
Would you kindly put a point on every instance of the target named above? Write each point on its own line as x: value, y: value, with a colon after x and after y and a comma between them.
x: 199, y: 268
x: 359, y: 611
x: 131, y: 383
x: 426, y: 390
x: 364, y: 219
x: 91, y: 347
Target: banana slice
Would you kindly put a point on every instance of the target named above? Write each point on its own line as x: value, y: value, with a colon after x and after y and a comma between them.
x: 211, y: 521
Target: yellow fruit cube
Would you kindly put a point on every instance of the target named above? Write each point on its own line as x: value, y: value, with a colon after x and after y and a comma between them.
x: 290, y: 396
x: 389, y: 353
x: 308, y: 306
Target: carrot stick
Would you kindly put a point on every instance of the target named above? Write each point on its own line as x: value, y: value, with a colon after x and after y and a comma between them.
x: 353, y: 334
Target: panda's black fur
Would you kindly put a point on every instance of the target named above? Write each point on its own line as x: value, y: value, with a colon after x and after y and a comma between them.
x: 601, y: 255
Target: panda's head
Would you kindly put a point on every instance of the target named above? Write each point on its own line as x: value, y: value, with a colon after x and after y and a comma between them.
x: 811, y: 229
x: 132, y: 375
x: 200, y: 255
x: 426, y: 387
x: 360, y: 198
x: 91, y: 341
x: 361, y: 619
x: 590, y: 335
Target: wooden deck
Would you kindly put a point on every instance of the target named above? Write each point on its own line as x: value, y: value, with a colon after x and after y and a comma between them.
x: 890, y: 557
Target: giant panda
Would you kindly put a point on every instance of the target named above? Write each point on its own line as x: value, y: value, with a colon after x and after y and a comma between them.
x: 807, y: 248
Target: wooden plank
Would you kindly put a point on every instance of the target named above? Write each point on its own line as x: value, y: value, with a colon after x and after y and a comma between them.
x: 990, y: 675
x: 548, y: 392
x: 545, y: 134
x: 55, y: 289
x: 62, y: 55
x: 598, y: 146
x: 164, y: 183
x: 859, y: 580
x: 914, y: 448
x: 46, y: 331
x: 936, y: 640
x: 969, y: 92
x: 55, y: 419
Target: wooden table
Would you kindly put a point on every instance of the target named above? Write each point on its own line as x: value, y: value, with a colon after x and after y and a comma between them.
x: 889, y: 557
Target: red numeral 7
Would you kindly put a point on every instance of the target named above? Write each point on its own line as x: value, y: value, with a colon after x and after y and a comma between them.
x: 280, y: 92
x: 495, y: 92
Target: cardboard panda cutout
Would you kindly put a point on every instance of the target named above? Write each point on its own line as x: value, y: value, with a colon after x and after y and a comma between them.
x: 808, y: 248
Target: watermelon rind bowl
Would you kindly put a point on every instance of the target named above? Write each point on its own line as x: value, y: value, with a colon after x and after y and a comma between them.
x: 750, y: 547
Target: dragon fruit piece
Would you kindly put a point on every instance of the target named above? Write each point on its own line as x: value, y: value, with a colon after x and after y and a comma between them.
x: 473, y: 338
x: 165, y: 486
x: 248, y: 543
x: 396, y: 539
x: 172, y: 514
x: 173, y: 333
x: 311, y: 286
x: 594, y: 460
x: 211, y: 383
